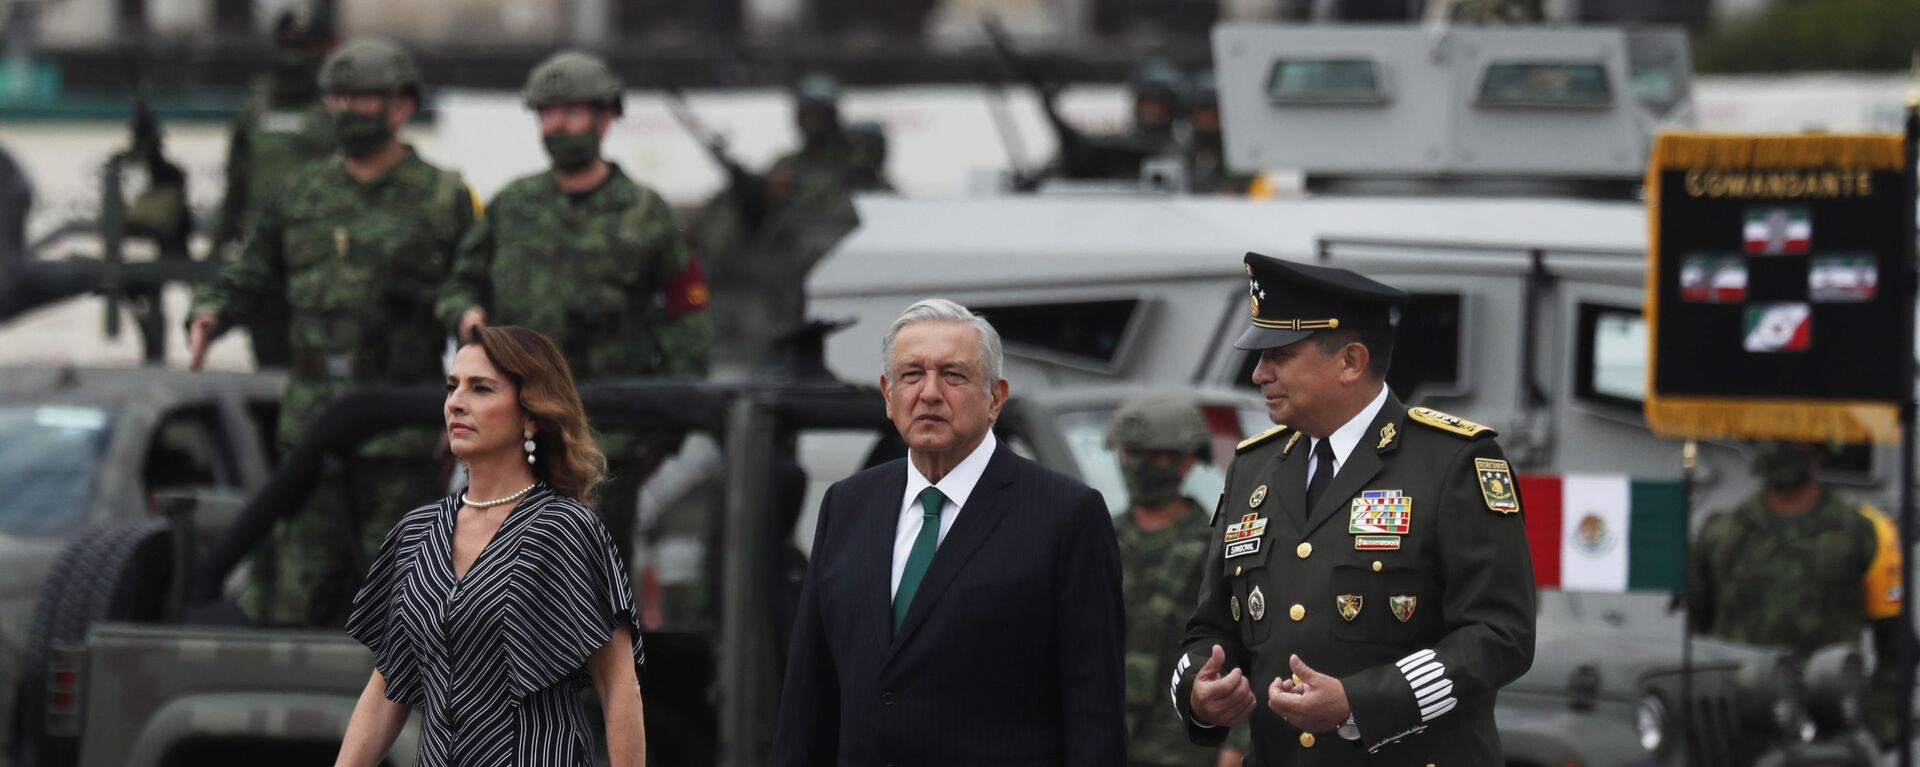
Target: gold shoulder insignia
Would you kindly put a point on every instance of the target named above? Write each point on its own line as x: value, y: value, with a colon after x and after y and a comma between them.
x: 1444, y: 422
x: 1253, y: 441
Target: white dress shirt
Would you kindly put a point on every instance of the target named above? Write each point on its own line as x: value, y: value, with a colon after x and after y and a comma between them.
x: 956, y: 486
x: 1345, y: 438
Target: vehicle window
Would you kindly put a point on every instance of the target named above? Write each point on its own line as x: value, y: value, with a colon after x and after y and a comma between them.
x: 49, y: 461
x: 1426, y: 348
x: 1088, y: 331
x: 1546, y: 84
x: 1611, y: 366
x: 187, y: 451
x: 1325, y: 81
x: 265, y: 414
x: 1085, y: 432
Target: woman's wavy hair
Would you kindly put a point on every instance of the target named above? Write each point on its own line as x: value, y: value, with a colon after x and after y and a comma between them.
x: 567, y: 457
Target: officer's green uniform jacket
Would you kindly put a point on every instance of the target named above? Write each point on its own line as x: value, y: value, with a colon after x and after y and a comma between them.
x: 359, y: 266
x: 268, y: 144
x: 607, y: 276
x: 1422, y: 632
x: 1159, y: 574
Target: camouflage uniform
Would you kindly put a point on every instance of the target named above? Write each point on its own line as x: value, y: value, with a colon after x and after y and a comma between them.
x: 1801, y: 582
x: 359, y: 265
x: 605, y: 274
x: 280, y: 128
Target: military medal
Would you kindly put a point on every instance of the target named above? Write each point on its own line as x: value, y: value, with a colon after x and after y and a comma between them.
x: 1496, y: 485
x: 1249, y: 526
x: 1380, y: 512
x: 1402, y: 606
x: 1257, y: 604
x: 1234, y: 602
x: 1349, y: 605
x: 1259, y: 497
x: 1386, y: 437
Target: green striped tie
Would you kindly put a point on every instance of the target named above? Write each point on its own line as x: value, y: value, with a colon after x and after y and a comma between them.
x: 931, y: 499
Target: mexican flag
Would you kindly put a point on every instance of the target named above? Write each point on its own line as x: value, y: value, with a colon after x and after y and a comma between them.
x: 1713, y: 280
x: 1778, y: 231
x: 1604, y: 532
x: 1843, y: 279
x: 1779, y: 327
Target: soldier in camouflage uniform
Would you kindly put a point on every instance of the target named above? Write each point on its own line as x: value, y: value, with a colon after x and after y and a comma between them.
x: 592, y: 259
x: 1163, y: 546
x: 1799, y: 567
x: 281, y: 127
x: 359, y: 247
x: 1159, y: 93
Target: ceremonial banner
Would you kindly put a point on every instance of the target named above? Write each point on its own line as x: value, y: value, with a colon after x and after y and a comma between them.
x: 1765, y: 308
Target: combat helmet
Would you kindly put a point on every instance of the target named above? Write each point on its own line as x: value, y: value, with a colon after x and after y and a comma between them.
x: 1159, y: 421
x: 370, y: 65
x: 573, y: 77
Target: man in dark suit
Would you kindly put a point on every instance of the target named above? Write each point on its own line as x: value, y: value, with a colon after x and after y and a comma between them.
x: 1369, y: 577
x: 962, y: 606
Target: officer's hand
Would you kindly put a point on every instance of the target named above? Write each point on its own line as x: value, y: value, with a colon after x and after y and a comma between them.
x: 470, y: 319
x: 1230, y: 757
x: 1221, y: 701
x: 199, y: 336
x: 1317, y: 703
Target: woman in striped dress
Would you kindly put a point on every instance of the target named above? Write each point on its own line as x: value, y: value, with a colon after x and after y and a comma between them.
x: 490, y: 610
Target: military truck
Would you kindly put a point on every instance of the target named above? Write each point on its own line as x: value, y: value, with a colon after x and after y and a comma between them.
x: 1493, y: 174
x: 193, y: 684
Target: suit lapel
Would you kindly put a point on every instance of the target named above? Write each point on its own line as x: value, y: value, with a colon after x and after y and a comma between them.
x: 985, y: 507
x: 1361, y: 466
x: 879, y: 522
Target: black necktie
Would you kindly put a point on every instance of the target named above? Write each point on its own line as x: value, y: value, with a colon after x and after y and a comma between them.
x: 1322, y: 474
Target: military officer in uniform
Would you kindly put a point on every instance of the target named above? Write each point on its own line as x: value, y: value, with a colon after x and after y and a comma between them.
x: 593, y: 259
x: 1368, y: 587
x: 1158, y: 437
x: 358, y: 246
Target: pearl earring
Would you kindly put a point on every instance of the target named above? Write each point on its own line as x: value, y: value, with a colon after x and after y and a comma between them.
x: 528, y: 433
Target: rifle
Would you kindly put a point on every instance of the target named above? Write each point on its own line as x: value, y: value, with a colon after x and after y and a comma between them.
x: 747, y: 189
x: 1081, y: 156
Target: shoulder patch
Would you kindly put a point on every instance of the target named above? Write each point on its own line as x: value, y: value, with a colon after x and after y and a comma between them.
x: 1444, y: 422
x: 1255, y: 440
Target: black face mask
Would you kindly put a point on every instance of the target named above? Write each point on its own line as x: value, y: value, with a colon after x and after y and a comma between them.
x: 295, y: 77
x: 361, y: 135
x: 571, y: 151
x: 1150, y: 484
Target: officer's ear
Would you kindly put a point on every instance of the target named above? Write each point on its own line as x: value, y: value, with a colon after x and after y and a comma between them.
x: 1354, y: 361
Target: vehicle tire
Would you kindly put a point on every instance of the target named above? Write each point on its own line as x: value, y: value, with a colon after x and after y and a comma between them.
x: 119, y: 573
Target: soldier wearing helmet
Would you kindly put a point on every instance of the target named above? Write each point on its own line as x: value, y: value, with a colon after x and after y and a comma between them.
x: 1159, y: 93
x: 358, y: 247
x: 1157, y: 438
x: 1799, y: 567
x: 281, y: 127
x: 592, y: 259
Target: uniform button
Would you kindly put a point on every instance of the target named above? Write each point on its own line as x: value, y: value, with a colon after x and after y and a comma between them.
x: 1297, y: 612
x: 1376, y: 568
x: 1304, y: 550
x: 886, y: 698
x: 1236, y: 572
x: 1306, y: 741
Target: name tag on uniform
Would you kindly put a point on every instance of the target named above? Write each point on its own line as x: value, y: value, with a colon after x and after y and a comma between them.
x: 1242, y: 548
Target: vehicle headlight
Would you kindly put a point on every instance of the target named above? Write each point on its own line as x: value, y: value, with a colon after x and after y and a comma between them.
x: 1836, y: 687
x: 1651, y: 721
x: 1772, y: 698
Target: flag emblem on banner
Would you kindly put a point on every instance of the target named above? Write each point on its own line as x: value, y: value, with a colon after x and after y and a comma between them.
x: 1778, y: 231
x: 1779, y: 327
x: 1843, y: 279
x: 1713, y: 279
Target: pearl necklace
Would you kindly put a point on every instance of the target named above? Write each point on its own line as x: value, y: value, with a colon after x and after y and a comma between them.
x: 496, y: 501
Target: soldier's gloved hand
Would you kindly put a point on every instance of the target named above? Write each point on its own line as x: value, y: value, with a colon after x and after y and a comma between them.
x: 1221, y: 701
x: 199, y: 336
x: 1316, y: 703
x: 472, y: 318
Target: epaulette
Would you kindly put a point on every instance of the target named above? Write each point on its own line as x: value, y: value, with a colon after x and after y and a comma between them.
x: 1444, y: 422
x: 1253, y: 441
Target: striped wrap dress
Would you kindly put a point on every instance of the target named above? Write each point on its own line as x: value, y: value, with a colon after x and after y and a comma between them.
x: 495, y: 662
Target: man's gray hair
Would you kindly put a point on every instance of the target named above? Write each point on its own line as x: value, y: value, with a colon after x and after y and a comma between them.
x: 942, y: 310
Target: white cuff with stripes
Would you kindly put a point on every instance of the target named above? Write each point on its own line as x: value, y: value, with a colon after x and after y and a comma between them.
x: 1173, y: 690
x: 1432, y: 690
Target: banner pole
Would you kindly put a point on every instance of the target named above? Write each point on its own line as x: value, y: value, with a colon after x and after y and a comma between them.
x: 1689, y: 460
x: 1907, y: 367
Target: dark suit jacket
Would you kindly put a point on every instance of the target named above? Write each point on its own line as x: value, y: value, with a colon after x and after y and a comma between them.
x: 1009, y: 655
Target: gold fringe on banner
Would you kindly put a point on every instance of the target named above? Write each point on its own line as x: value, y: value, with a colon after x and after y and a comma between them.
x: 1756, y: 419
x: 1706, y: 150
x: 1749, y: 417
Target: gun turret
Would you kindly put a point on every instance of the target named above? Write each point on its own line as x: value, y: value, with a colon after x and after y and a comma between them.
x: 1081, y: 157
x: 748, y: 190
